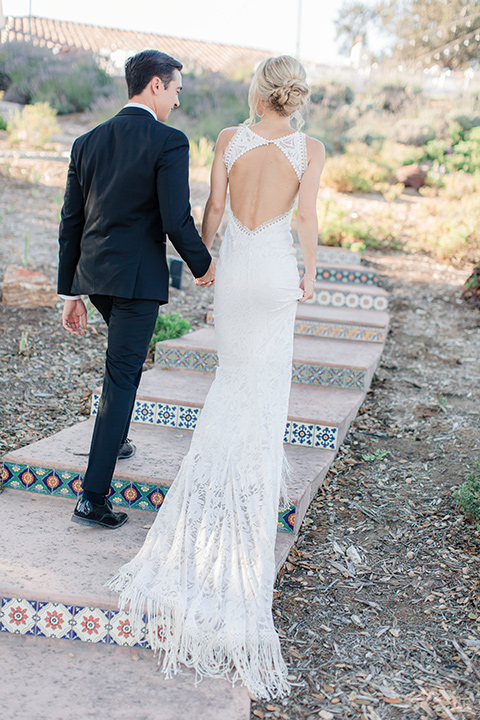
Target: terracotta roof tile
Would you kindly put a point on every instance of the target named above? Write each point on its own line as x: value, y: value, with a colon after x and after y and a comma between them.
x: 105, y: 41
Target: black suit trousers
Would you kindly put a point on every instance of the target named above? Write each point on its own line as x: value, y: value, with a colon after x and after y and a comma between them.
x: 130, y: 327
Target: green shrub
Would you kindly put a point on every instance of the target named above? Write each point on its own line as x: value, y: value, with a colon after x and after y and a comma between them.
x: 338, y: 227
x: 463, y: 154
x: 201, y: 152
x: 169, y: 326
x: 333, y: 95
x: 412, y: 132
x: 456, y: 185
x: 467, y: 496
x: 356, y: 171
x: 3, y: 123
x: 209, y: 103
x: 68, y: 82
x: 448, y: 230
x: 33, y: 126
x: 394, y: 154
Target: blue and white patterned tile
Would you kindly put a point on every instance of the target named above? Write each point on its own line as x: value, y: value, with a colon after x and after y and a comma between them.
x: 90, y: 625
x: 54, y: 620
x: 288, y: 430
x: 380, y: 303
x: 302, y: 434
x: 352, y: 300
x: 337, y: 299
x: 166, y: 415
x: 18, y: 616
x: 188, y: 417
x: 144, y: 412
x: 326, y: 437
x: 95, y: 402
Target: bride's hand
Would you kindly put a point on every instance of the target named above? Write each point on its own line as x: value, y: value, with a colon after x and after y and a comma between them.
x: 209, y: 278
x: 307, y: 284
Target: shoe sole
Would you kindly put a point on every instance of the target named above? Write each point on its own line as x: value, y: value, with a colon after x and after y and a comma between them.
x: 94, y: 523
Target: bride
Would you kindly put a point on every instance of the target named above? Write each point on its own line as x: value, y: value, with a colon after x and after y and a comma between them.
x: 205, y: 573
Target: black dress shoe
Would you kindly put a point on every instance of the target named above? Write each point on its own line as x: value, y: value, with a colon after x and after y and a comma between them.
x: 88, y: 513
x: 127, y: 450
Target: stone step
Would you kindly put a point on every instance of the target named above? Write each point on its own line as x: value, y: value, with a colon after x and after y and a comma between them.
x: 52, y: 560
x: 317, y: 416
x: 341, y: 273
x: 52, y: 585
x: 55, y: 466
x: 364, y: 297
x: 337, y: 323
x: 333, y: 255
x: 332, y: 363
x: 44, y: 678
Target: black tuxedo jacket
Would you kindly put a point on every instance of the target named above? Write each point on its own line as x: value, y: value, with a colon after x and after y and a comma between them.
x: 127, y: 188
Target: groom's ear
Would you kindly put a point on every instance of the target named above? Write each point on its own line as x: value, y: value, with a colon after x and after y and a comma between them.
x: 156, y: 85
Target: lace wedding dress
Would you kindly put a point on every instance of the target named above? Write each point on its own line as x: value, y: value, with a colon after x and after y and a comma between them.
x: 206, y: 571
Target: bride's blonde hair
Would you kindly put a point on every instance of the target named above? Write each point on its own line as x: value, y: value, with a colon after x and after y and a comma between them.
x: 282, y: 82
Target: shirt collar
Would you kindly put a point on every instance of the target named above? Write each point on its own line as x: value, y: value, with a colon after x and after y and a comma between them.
x: 143, y: 107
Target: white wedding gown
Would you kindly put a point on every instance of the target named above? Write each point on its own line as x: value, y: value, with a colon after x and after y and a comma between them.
x: 205, y: 573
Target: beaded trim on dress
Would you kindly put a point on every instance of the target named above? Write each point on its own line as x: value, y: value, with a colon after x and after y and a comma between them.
x: 293, y: 145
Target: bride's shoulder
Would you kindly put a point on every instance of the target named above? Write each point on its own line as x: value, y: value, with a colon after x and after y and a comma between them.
x: 225, y: 136
x: 315, y: 148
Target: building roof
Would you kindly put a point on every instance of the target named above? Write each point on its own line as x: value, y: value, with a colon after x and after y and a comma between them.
x: 116, y: 45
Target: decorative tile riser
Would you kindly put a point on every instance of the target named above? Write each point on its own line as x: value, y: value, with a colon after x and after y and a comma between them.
x: 70, y: 622
x: 360, y: 276
x: 123, y: 493
x: 184, y: 417
x: 340, y: 331
x: 333, y: 331
x: 305, y: 373
x: 353, y: 300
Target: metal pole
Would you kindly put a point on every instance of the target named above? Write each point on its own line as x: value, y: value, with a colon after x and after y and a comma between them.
x: 299, y: 29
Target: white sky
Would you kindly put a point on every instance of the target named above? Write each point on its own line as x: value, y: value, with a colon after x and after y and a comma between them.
x: 266, y: 24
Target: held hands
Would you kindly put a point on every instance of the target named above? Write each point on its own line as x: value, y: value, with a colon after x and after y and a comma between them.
x: 74, y: 318
x: 307, y: 284
x: 209, y: 278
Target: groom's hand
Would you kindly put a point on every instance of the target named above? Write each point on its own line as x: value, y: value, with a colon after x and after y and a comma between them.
x: 74, y: 318
x: 209, y: 277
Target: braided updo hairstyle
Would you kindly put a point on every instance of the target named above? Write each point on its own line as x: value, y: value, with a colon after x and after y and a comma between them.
x: 281, y: 82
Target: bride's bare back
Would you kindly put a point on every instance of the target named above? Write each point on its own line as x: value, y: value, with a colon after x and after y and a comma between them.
x: 265, y: 168
x: 263, y: 185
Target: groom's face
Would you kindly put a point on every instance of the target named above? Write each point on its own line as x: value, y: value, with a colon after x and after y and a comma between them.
x: 167, y: 97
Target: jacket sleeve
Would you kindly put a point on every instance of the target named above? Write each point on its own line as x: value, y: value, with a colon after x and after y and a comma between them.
x: 174, y: 201
x: 71, y: 228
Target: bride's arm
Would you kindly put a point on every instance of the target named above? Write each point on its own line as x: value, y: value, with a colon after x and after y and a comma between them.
x: 307, y: 222
x: 215, y: 206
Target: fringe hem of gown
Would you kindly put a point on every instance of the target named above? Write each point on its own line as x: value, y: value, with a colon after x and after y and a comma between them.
x: 259, y: 665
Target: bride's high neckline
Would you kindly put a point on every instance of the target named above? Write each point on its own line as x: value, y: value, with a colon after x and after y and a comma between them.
x: 280, y: 137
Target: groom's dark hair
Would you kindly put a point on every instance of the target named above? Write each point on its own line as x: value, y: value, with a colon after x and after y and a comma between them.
x: 142, y: 67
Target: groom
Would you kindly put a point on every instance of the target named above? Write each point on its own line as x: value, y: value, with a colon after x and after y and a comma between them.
x: 127, y: 188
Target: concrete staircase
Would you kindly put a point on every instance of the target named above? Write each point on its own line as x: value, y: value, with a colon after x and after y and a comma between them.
x: 52, y: 578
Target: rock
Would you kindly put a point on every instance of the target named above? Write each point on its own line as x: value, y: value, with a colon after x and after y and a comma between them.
x: 27, y: 289
x: 411, y: 176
